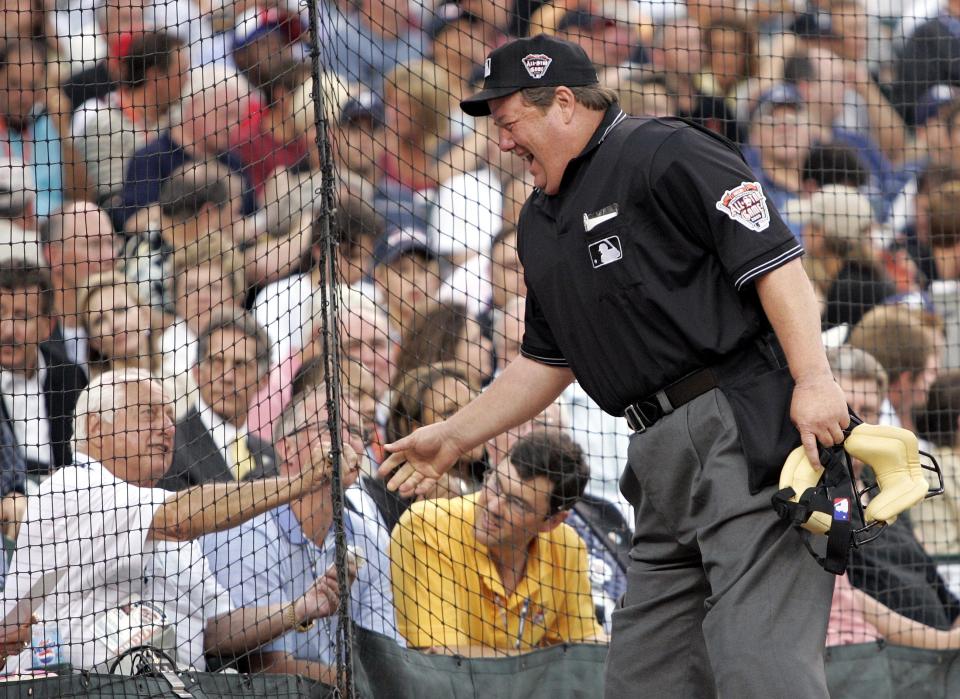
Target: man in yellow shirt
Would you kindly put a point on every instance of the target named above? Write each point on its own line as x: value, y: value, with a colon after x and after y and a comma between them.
x: 498, y: 572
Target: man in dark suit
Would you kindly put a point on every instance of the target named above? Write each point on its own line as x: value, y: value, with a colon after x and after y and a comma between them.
x: 39, y: 385
x: 212, y: 444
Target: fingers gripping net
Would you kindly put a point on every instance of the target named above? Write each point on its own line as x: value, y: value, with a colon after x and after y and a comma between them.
x: 244, y: 246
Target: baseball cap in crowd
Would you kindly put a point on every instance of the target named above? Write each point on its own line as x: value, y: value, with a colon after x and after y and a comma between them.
x: 780, y: 95
x: 447, y: 14
x: 841, y: 211
x: 120, y: 45
x: 814, y: 25
x: 933, y: 100
x: 539, y: 61
x: 364, y: 106
x: 257, y: 22
x: 403, y: 241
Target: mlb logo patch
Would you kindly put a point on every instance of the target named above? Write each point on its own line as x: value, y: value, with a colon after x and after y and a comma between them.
x: 536, y: 64
x: 606, y: 251
x: 746, y: 204
x: 841, y: 509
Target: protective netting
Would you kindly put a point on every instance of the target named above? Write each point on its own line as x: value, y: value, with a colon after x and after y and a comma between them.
x: 246, y: 244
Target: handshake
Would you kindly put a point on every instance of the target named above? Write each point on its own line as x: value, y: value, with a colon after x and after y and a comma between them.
x: 317, y: 470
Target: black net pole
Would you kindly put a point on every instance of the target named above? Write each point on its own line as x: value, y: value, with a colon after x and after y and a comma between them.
x: 331, y: 356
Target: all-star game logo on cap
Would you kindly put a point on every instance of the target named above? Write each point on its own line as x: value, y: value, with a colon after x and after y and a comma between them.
x: 539, y: 61
x: 537, y: 64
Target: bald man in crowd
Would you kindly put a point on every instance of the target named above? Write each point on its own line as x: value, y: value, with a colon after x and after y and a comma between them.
x: 105, y: 538
x: 78, y: 241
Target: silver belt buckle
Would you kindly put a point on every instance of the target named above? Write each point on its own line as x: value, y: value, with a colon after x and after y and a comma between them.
x: 634, y: 419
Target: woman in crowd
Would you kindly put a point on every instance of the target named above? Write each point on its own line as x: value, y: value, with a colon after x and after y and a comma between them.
x: 842, y: 261
x: 447, y: 334
x: 283, y: 307
x: 424, y: 396
x: 120, y: 327
x: 732, y: 53
x: 416, y: 118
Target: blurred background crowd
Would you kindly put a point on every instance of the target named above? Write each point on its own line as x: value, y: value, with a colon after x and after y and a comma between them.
x: 161, y: 210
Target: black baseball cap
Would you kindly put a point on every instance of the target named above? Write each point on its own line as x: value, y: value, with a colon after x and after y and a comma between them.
x: 364, y: 106
x: 540, y: 61
x: 933, y: 101
x: 403, y: 241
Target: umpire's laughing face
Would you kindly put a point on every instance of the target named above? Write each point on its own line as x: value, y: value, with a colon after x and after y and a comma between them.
x: 538, y: 133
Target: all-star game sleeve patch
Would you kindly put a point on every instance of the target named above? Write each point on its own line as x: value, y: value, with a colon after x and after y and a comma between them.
x: 746, y: 204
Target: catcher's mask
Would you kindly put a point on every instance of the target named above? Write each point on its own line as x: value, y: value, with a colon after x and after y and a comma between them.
x: 828, y: 501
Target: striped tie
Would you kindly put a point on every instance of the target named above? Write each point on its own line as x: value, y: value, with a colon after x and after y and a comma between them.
x: 242, y: 460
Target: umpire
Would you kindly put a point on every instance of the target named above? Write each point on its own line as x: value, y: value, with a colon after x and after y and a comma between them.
x: 661, y: 279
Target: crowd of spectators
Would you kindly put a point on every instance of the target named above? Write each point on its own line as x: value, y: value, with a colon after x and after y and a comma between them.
x: 166, y: 257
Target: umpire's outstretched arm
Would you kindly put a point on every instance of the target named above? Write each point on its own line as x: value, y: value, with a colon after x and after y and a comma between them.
x: 520, y: 393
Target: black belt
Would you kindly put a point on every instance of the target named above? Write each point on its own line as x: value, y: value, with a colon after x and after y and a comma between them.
x: 643, y: 414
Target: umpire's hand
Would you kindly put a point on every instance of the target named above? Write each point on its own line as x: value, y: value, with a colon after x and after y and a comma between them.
x: 819, y: 410
x: 419, y: 459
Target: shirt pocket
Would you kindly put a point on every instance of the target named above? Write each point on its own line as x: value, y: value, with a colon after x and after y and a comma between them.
x: 626, y: 303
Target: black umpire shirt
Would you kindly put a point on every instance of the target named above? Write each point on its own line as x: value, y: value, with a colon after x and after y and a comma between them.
x: 640, y: 269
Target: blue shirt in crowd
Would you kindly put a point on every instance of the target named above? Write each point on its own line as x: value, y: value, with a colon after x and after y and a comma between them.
x: 269, y: 560
x: 152, y: 165
x: 351, y: 48
x: 38, y: 148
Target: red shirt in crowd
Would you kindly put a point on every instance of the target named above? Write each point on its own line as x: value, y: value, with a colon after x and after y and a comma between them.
x: 261, y: 153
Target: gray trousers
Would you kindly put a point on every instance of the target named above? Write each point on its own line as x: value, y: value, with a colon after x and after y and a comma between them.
x: 722, y: 597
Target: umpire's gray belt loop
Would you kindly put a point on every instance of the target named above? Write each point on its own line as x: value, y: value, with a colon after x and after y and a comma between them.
x: 664, y: 402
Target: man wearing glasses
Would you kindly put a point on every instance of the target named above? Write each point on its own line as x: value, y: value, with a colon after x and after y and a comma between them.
x: 213, y: 443
x: 498, y: 572
x: 278, y: 555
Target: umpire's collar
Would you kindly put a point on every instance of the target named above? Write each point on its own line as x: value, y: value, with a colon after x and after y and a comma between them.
x: 613, y: 116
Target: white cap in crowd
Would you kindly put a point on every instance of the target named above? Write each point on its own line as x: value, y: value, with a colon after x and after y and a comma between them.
x: 840, y: 211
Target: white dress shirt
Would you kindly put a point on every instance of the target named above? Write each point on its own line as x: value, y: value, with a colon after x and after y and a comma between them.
x: 179, y: 581
x: 282, y: 308
x: 605, y: 440
x: 77, y: 343
x: 178, y: 349
x: 94, y: 527
x: 26, y: 407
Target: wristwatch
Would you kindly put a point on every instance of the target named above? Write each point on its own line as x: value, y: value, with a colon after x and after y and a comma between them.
x: 290, y: 617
